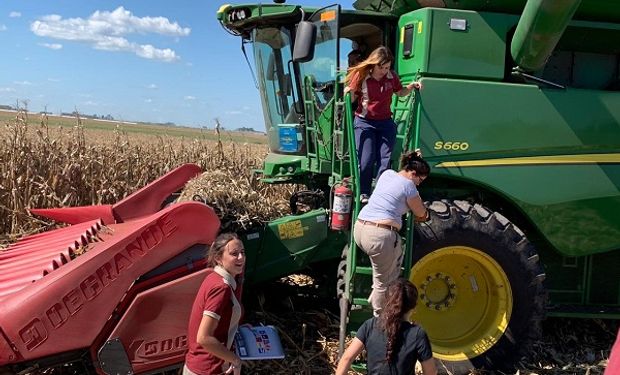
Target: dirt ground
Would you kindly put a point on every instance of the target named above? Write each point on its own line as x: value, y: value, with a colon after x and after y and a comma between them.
x: 308, y: 323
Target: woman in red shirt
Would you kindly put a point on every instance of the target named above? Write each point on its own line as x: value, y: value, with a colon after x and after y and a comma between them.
x: 373, y: 83
x: 216, y: 311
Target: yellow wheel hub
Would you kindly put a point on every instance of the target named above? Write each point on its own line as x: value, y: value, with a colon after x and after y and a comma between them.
x: 464, y: 301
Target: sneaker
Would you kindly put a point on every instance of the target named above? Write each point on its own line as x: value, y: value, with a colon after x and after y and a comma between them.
x: 364, y: 198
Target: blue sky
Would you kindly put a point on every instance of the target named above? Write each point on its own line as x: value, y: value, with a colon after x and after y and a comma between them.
x: 155, y: 61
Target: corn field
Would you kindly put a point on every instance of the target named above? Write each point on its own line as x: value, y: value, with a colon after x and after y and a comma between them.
x: 43, y: 167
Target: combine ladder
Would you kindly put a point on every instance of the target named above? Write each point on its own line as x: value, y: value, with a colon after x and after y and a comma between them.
x: 354, y: 305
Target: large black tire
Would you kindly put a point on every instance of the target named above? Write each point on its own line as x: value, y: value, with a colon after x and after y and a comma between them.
x: 481, y: 287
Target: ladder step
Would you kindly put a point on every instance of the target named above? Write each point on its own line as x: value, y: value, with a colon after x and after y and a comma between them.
x: 363, y: 270
x: 361, y: 301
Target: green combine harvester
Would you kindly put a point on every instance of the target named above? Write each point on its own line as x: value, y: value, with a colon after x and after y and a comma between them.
x: 519, y: 117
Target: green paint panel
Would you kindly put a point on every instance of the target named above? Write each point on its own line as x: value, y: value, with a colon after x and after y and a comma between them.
x: 545, y: 122
x: 292, y: 243
x: 441, y: 49
x: 595, y: 10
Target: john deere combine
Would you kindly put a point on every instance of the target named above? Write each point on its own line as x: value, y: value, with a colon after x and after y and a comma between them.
x: 519, y: 117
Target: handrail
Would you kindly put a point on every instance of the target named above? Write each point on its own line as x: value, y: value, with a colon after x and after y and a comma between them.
x: 354, y: 166
x: 348, y: 116
x: 413, y: 145
x: 418, y: 114
x: 352, y: 251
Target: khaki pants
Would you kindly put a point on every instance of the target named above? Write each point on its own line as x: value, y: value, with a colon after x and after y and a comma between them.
x: 384, y: 248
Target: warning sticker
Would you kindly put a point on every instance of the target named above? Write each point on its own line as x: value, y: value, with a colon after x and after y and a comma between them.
x: 290, y: 230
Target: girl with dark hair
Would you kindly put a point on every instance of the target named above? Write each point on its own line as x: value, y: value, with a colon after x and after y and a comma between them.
x: 217, y: 310
x: 378, y: 223
x: 372, y: 83
x: 393, y: 344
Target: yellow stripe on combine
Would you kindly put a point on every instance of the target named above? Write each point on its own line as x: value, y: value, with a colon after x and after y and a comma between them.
x: 536, y: 160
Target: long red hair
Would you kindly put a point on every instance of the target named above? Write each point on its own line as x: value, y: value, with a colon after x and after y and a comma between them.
x: 379, y: 56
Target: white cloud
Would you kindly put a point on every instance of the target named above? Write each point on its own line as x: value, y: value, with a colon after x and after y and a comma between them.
x: 106, y: 31
x: 23, y: 83
x: 189, y: 97
x: 51, y: 45
x: 150, y: 52
x: 233, y: 112
x: 15, y: 14
x: 53, y: 79
x: 152, y: 86
x: 2, y: 27
x: 149, y: 100
x: 7, y: 89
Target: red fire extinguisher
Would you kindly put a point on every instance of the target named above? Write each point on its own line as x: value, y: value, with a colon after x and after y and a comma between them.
x: 341, y: 207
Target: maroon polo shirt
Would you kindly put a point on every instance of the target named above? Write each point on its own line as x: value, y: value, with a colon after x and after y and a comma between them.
x: 375, y: 96
x: 215, y: 299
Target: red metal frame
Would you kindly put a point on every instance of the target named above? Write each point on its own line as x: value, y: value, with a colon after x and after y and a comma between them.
x: 145, y: 201
x: 52, y: 301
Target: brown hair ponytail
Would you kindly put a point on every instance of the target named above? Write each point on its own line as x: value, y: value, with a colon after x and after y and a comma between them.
x: 401, y: 298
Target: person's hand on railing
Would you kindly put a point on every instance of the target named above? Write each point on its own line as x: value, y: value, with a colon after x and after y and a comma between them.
x: 414, y: 85
x: 424, y: 218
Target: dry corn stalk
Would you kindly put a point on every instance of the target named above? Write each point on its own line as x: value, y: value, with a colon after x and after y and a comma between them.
x: 238, y: 199
x: 42, y: 167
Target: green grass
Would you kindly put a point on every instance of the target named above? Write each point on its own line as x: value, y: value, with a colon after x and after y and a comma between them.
x: 141, y: 128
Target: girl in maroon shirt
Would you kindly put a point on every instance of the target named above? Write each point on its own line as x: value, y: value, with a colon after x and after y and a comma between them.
x: 373, y: 83
x: 216, y: 311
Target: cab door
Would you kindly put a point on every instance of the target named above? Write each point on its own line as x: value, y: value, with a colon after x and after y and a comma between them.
x: 320, y: 85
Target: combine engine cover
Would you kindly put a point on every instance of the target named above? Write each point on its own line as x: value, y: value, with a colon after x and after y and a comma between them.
x: 112, y: 292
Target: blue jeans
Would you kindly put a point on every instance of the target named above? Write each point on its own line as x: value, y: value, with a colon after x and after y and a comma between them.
x: 375, y: 141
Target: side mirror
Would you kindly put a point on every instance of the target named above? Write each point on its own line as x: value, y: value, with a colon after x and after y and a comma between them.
x: 305, y: 39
